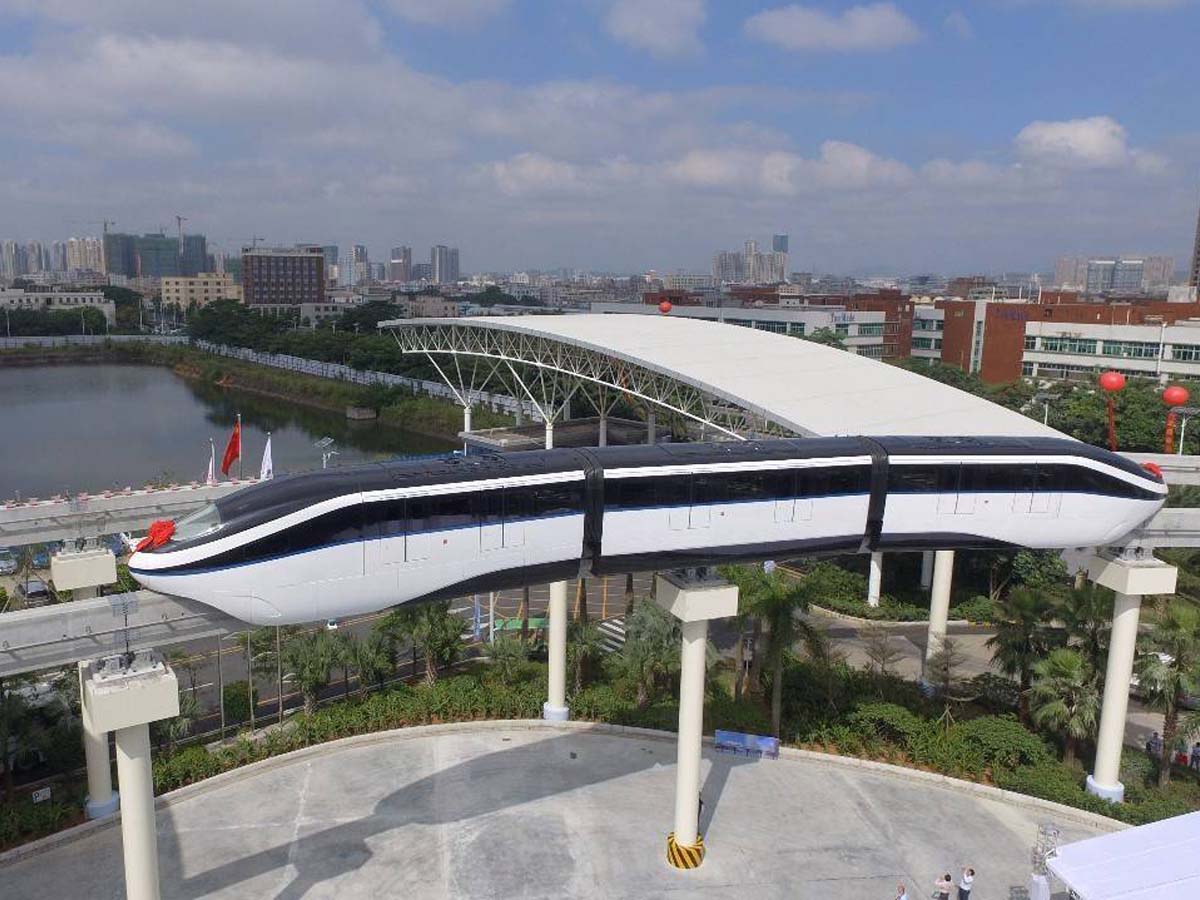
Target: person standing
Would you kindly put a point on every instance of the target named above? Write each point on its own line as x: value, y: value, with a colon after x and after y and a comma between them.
x: 965, y: 882
x: 1194, y: 762
x: 901, y: 893
x: 943, y: 886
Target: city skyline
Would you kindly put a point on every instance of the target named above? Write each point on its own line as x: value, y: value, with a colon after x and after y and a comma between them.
x: 606, y: 136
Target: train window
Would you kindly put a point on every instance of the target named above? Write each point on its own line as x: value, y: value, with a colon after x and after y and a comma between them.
x: 912, y: 479
x: 518, y: 503
x: 849, y: 480
x: 744, y: 486
x: 812, y: 482
x: 672, y: 490
x: 557, y: 499
x: 440, y: 513
x: 489, y: 507
x: 710, y: 488
x: 336, y: 527
x: 384, y: 519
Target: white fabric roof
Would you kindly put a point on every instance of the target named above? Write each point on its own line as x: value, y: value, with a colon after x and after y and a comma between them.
x: 1160, y: 861
x: 804, y: 386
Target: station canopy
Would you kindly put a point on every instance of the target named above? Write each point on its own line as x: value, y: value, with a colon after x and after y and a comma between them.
x: 735, y: 380
x: 1159, y: 861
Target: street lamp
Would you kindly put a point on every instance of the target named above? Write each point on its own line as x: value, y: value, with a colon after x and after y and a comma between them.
x: 325, y: 445
x: 1044, y: 398
x: 1184, y: 413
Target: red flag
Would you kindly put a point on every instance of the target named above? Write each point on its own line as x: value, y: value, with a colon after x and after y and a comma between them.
x: 160, y: 532
x: 233, y: 449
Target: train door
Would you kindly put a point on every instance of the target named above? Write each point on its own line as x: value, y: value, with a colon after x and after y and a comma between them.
x: 955, y: 494
x: 1039, y: 493
x: 385, y: 544
x: 489, y: 510
x: 418, y: 539
x: 675, y: 493
x: 518, y: 506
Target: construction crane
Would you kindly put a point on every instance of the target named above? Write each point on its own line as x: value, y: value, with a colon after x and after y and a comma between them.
x: 254, y: 239
x: 104, y: 223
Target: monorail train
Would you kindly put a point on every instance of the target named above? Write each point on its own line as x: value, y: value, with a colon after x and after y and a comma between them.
x: 345, y: 541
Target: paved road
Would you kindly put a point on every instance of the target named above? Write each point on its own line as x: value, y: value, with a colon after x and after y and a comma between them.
x: 510, y: 812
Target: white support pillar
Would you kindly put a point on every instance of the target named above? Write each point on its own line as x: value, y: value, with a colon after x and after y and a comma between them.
x: 651, y: 427
x: 603, y: 441
x: 694, y: 602
x: 939, y: 605
x: 926, y: 570
x: 1130, y: 579
x: 124, y: 695
x: 549, y: 434
x: 467, y: 419
x: 139, y: 838
x: 519, y: 415
x: 102, y: 800
x: 875, y: 579
x: 555, y: 708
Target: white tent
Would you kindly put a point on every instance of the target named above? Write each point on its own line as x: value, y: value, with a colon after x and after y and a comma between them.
x: 1160, y: 861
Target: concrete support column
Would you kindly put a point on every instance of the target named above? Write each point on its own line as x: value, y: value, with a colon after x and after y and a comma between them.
x: 939, y: 604
x: 555, y: 708
x: 467, y: 419
x: 549, y: 435
x: 102, y: 800
x: 519, y: 415
x: 875, y: 579
x: 691, y: 733
x: 603, y: 442
x: 926, y: 570
x: 139, y: 839
x: 651, y: 428
x: 1105, y: 781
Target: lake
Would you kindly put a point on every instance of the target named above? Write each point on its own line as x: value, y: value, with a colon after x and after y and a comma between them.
x: 75, y: 428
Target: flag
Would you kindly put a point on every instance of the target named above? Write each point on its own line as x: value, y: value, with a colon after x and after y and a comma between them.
x: 212, y: 463
x: 267, y: 470
x: 233, y: 450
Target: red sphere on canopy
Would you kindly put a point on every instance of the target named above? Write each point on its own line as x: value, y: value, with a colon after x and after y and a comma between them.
x: 1175, y: 395
x: 1112, y: 381
x: 665, y: 307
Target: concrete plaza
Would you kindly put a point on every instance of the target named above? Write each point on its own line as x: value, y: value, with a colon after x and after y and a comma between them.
x: 502, y: 810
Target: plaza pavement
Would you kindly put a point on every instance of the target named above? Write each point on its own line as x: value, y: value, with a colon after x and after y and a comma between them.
x: 526, y: 810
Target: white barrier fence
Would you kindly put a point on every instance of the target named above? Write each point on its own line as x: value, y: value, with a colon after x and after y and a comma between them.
x: 87, y: 340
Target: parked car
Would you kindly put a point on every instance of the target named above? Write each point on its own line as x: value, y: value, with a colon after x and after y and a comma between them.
x: 33, y: 590
x: 42, y: 554
x: 8, y: 562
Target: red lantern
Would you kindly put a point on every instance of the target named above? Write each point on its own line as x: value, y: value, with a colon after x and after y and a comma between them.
x: 665, y: 307
x: 1175, y: 395
x: 1112, y: 381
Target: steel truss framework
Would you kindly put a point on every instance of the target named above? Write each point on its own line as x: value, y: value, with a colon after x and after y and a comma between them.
x: 549, y: 373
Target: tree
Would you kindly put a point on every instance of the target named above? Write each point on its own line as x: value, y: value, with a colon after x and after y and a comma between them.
x: 1022, y: 638
x: 1065, y: 699
x: 776, y: 605
x: 373, y: 657
x: 585, y: 644
x: 1086, y: 614
x: 397, y: 628
x: 310, y: 658
x: 828, y: 337
x: 651, y: 650
x: 1170, y: 671
x: 15, y: 721
x: 344, y: 644
x: 878, y: 646
x: 508, y: 656
x: 438, y: 634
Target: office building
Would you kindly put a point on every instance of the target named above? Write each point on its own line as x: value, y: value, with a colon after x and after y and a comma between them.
x: 443, y: 262
x: 120, y: 255
x: 282, y: 276
x: 400, y: 265
x: 58, y: 301
x: 422, y: 272
x: 157, y: 256
x: 1194, y: 275
x: 779, y: 243
x: 193, y: 256
x: 356, y: 265
x: 200, y: 289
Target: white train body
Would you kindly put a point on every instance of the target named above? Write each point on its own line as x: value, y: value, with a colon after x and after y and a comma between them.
x: 349, y: 541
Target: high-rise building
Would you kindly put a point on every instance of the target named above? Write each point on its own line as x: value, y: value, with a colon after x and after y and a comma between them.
x: 400, y: 265
x: 35, y: 258
x: 1071, y: 272
x: 58, y: 256
x: 283, y: 276
x: 157, y: 256
x: 422, y: 272
x: 1158, y: 272
x: 1100, y: 275
x: 1194, y: 276
x: 193, y: 256
x: 443, y: 262
x: 120, y: 254
x: 779, y: 243
x: 356, y: 265
x: 84, y: 254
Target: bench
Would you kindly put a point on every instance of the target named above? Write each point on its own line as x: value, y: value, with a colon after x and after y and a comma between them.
x: 746, y: 744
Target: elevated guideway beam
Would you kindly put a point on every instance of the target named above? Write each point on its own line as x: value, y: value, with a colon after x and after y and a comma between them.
x: 89, y: 516
x: 52, y: 636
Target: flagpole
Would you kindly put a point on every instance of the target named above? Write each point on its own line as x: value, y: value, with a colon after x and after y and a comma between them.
x: 239, y: 429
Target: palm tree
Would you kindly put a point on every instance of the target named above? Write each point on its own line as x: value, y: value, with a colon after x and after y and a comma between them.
x: 1065, y: 698
x: 1022, y: 638
x: 628, y: 594
x: 344, y: 646
x: 1086, y: 614
x: 651, y: 650
x: 397, y: 628
x: 310, y: 658
x: 585, y: 644
x: 525, y: 614
x: 438, y: 633
x: 15, y: 722
x: 1170, y: 672
x: 751, y: 582
x: 373, y: 658
x: 508, y: 656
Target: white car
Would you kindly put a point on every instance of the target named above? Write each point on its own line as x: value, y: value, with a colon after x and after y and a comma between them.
x: 8, y: 562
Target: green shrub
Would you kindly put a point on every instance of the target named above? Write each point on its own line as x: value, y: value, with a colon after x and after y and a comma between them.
x: 237, y: 702
x: 977, y: 609
x: 996, y: 692
x: 887, y: 721
x: 27, y: 821
x: 888, y: 610
x: 1003, y: 742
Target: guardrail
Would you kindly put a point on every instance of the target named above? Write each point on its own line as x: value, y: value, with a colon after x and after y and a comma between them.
x: 88, y: 340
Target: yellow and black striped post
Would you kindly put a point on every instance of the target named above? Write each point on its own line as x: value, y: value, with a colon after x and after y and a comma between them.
x: 685, y: 856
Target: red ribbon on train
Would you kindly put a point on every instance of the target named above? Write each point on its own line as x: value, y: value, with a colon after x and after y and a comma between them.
x: 160, y: 532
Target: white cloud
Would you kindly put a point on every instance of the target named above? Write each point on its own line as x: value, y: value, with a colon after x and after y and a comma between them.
x: 840, y: 166
x: 453, y: 13
x: 957, y: 24
x: 874, y: 26
x: 663, y: 27
x: 1099, y: 142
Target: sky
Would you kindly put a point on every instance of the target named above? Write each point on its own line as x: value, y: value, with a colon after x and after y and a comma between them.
x: 612, y: 135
